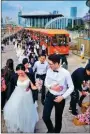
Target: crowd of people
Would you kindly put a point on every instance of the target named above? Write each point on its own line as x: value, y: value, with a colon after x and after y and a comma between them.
x: 38, y: 73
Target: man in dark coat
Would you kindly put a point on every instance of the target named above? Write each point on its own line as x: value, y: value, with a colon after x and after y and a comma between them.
x: 81, y: 79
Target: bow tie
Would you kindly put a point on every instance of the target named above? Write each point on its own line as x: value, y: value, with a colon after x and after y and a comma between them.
x: 42, y: 63
x: 55, y: 71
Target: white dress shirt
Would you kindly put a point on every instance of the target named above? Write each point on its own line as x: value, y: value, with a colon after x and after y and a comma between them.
x: 41, y: 68
x: 13, y: 39
x: 43, y: 47
x: 37, y: 46
x: 63, y: 78
x: 35, y: 52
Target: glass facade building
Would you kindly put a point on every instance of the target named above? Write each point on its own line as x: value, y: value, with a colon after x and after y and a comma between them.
x: 73, y: 12
x: 53, y: 21
x: 63, y: 22
x: 19, y: 18
x: 38, y: 21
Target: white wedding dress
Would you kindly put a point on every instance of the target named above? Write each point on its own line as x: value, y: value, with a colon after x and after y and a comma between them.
x: 20, y: 113
x: 19, y: 51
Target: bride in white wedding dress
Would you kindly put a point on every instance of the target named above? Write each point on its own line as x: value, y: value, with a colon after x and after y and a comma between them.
x: 20, y: 113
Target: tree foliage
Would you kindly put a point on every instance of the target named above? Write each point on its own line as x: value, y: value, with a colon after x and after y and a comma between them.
x: 75, y: 27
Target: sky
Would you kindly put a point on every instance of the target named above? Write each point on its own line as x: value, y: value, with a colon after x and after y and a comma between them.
x: 11, y: 8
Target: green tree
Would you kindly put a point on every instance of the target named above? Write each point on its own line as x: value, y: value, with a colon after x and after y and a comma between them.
x: 76, y: 27
x: 82, y: 27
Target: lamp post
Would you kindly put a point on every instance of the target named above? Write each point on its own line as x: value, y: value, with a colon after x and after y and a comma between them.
x: 9, y: 35
x: 9, y: 28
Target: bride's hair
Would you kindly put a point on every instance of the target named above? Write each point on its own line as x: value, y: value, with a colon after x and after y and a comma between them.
x: 20, y: 67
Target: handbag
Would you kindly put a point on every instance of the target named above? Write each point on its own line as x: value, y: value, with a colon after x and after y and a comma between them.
x: 3, y: 85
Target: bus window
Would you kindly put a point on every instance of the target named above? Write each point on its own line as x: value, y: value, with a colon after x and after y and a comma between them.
x: 62, y: 40
x: 49, y: 41
x: 44, y: 38
x: 69, y: 39
x: 54, y: 41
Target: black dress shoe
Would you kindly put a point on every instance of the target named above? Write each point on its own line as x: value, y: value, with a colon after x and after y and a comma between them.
x: 75, y: 113
x: 43, y: 102
x: 70, y: 109
x: 51, y: 131
x: 80, y: 104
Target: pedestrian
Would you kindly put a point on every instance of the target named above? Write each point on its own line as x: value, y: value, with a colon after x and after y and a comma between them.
x: 29, y: 70
x: 2, y: 48
x: 20, y: 113
x: 34, y: 56
x: 40, y: 68
x: 59, y: 84
x: 64, y: 61
x: 22, y: 56
x: 31, y: 61
x: 80, y: 77
x: 37, y: 47
x: 82, y: 49
x: 43, y: 49
x: 8, y: 73
x: 27, y: 66
x: 3, y: 89
x: 14, y: 40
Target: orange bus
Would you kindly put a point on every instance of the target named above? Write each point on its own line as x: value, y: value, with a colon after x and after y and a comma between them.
x: 55, y: 40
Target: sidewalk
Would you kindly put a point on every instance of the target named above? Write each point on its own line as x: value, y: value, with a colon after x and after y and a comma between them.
x: 9, y: 52
x: 67, y: 125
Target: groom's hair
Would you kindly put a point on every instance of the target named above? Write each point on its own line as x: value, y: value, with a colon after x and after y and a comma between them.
x: 55, y: 58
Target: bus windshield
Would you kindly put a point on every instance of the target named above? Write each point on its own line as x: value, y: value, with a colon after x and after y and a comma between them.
x: 60, y: 40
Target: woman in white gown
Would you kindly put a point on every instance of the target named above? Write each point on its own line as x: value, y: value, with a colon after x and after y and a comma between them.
x: 20, y: 113
x: 19, y: 50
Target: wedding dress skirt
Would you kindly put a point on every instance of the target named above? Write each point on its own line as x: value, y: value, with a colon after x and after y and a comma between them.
x: 20, y: 113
